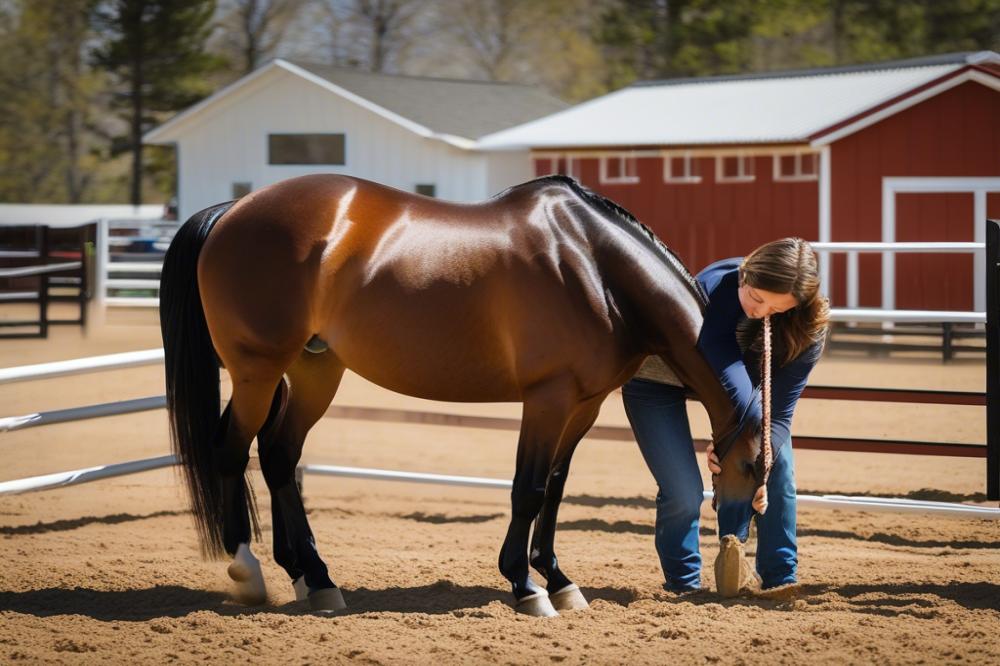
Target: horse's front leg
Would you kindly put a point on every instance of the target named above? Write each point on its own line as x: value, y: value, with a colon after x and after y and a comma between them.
x: 563, y: 593
x: 545, y: 416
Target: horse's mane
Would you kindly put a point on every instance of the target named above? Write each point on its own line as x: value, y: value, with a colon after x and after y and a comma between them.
x: 620, y: 215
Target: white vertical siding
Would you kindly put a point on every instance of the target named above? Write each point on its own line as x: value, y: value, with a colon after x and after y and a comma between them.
x: 228, y: 144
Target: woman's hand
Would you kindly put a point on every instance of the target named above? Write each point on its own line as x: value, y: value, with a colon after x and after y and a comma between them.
x: 713, y: 460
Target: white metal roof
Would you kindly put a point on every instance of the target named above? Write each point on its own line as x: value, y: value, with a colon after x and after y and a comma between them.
x: 771, y: 108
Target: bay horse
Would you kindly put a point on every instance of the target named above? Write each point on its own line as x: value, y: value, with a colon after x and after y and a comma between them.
x: 547, y: 294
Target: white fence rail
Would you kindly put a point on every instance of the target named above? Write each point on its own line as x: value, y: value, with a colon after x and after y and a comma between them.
x: 853, y: 250
x: 839, y: 502
x: 78, y: 366
x: 152, y: 356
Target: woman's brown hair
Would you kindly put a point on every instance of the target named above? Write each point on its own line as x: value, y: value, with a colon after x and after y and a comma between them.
x: 789, y: 266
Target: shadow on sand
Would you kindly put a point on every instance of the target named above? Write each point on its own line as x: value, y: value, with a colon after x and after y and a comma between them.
x: 441, y: 519
x: 442, y: 597
x: 895, y: 540
x: 83, y: 521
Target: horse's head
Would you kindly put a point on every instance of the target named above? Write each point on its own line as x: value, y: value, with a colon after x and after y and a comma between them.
x: 740, y: 488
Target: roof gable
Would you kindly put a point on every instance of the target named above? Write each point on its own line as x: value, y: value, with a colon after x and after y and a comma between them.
x: 453, y: 111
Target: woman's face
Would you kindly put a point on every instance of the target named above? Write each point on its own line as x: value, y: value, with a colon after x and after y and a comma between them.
x: 758, y: 303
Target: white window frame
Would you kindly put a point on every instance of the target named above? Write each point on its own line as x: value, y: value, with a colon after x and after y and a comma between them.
x: 744, y: 168
x: 572, y: 163
x: 625, y: 159
x: 687, y: 178
x: 798, y: 176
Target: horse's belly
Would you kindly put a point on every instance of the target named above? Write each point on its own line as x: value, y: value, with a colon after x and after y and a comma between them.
x: 430, y: 357
x: 487, y: 340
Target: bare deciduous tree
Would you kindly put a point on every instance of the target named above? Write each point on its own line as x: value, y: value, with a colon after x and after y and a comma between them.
x: 372, y: 33
x: 490, y: 31
x: 254, y: 29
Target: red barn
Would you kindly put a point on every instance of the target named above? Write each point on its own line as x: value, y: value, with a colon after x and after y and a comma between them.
x: 900, y: 151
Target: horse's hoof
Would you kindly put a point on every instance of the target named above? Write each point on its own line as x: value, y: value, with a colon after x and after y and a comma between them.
x: 327, y: 600
x: 537, y: 604
x: 249, y: 578
x: 569, y: 598
x: 301, y: 589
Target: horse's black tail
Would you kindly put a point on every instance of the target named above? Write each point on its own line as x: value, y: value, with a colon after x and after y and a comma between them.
x: 192, y: 373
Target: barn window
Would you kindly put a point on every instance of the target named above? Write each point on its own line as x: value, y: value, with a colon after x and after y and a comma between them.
x: 305, y: 149
x: 680, y: 168
x: 796, y: 166
x: 734, y: 169
x: 619, y: 169
x: 426, y: 189
x: 565, y: 165
x: 240, y: 190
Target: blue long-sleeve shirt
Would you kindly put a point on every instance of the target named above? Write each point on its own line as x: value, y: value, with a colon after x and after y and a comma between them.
x: 739, y: 372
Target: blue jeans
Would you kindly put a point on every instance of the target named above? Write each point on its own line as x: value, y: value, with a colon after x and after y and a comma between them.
x: 658, y: 416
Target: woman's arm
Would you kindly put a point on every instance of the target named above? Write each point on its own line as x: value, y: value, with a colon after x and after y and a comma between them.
x: 718, y: 344
x: 787, y: 384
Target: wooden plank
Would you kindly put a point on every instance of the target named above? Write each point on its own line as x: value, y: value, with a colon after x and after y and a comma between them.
x: 895, y: 395
x: 618, y: 433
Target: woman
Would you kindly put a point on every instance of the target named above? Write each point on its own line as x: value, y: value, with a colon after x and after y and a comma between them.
x: 778, y: 280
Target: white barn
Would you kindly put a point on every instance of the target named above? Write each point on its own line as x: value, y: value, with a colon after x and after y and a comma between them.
x: 289, y: 119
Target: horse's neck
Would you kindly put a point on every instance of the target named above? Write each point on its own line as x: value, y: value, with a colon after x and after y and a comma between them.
x: 665, y: 316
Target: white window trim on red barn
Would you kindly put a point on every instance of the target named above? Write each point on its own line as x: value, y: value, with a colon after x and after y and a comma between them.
x: 744, y: 169
x: 626, y: 160
x: 688, y: 177
x: 799, y: 175
x: 553, y: 160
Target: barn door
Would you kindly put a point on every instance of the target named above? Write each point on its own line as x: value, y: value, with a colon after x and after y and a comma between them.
x: 934, y: 281
x: 936, y: 210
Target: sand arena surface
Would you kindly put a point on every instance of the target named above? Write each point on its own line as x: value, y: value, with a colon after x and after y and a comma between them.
x: 110, y: 571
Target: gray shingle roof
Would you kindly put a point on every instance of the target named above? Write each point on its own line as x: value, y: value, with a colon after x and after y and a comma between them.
x: 464, y: 108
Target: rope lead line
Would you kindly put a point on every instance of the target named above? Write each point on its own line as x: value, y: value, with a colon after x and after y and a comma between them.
x: 765, y: 375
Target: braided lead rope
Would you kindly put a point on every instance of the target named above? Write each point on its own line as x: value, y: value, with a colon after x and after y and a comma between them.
x: 765, y: 377
x: 765, y: 374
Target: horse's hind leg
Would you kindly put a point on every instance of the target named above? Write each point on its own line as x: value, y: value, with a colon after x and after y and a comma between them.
x: 254, y: 383
x: 541, y: 429
x: 563, y: 594
x: 312, y: 382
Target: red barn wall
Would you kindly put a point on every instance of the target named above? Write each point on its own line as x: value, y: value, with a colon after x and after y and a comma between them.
x: 953, y: 134
x: 707, y: 221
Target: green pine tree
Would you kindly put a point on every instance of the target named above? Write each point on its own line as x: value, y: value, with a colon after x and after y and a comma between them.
x: 155, y: 53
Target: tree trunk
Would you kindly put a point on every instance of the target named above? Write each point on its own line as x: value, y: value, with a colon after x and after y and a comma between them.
x: 74, y: 118
x: 136, y: 130
x: 838, y: 31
